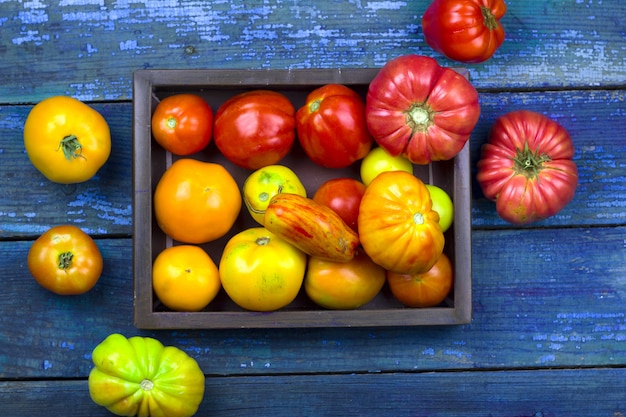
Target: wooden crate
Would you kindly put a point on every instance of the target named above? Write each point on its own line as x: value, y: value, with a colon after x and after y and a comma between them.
x: 150, y: 161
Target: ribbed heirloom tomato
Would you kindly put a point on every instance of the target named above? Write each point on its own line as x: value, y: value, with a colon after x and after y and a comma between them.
x: 418, y: 109
x: 397, y: 226
x: 331, y: 126
x: 196, y: 202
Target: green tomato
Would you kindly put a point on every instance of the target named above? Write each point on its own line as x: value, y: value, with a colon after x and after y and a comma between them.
x: 442, y: 204
x: 379, y: 160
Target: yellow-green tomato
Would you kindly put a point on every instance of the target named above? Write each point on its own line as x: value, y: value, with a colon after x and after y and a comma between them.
x: 442, y: 204
x: 265, y: 183
x: 139, y: 376
x: 379, y: 160
x: 260, y: 271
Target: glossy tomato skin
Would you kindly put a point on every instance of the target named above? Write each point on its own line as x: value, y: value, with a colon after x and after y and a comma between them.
x: 256, y: 128
x: 464, y: 30
x: 427, y: 289
x: 66, y: 140
x: 260, y: 271
x: 185, y: 278
x: 264, y: 183
x: 527, y: 168
x: 343, y: 196
x: 443, y: 205
x: 418, y: 109
x: 379, y: 160
x: 183, y: 124
x: 140, y: 377
x: 65, y: 260
x: 397, y: 226
x: 331, y: 126
x: 196, y: 202
x: 343, y: 285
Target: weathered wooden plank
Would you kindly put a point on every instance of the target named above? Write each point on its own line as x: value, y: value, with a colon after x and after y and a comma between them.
x: 30, y: 204
x: 90, y: 49
x: 569, y: 392
x: 542, y: 298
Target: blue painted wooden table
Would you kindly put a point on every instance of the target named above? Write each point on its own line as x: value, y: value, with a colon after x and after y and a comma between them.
x: 548, y: 336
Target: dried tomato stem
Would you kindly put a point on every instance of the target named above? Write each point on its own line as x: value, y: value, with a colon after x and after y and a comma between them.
x: 263, y: 240
x: 71, y: 147
x: 490, y: 21
x: 419, y: 117
x: 65, y: 260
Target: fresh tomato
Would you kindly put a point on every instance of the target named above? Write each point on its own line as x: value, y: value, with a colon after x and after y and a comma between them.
x: 185, y: 278
x: 343, y: 285
x: 379, y: 160
x: 397, y: 226
x: 183, y: 124
x: 427, y: 289
x: 421, y: 110
x: 260, y: 271
x: 464, y: 30
x: 265, y: 183
x: 196, y: 202
x: 331, y: 126
x: 65, y: 260
x: 442, y: 204
x: 343, y: 195
x: 140, y: 377
x: 256, y: 128
x: 66, y: 140
x: 527, y: 168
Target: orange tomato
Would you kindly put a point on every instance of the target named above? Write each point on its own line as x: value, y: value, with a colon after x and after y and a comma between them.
x: 196, y: 202
x: 343, y: 285
x: 398, y: 228
x: 185, y: 278
x: 427, y: 289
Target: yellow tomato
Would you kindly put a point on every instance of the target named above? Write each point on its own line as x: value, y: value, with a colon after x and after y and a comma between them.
x: 185, y: 278
x: 260, y: 271
x: 66, y: 140
x: 343, y: 285
x: 265, y: 183
x: 196, y: 202
x: 378, y: 160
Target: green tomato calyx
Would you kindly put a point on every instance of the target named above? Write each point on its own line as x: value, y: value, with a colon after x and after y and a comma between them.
x: 490, y: 21
x: 315, y: 105
x: 146, y: 385
x: 529, y: 163
x: 71, y: 147
x: 65, y: 260
x: 419, y: 117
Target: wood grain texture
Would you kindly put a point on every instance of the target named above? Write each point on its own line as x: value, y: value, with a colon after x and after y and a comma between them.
x: 572, y: 393
x: 539, y: 301
x: 90, y: 49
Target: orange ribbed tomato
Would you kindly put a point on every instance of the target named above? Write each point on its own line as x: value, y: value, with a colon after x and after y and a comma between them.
x: 196, y: 202
x: 398, y: 228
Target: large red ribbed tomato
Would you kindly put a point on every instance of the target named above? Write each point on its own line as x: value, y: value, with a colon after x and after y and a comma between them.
x: 464, y: 30
x: 421, y: 110
x: 526, y: 167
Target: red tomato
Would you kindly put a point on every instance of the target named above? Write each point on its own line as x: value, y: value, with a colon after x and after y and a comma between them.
x: 343, y: 195
x: 183, y: 124
x: 526, y: 167
x: 331, y: 126
x: 464, y: 30
x: 256, y: 128
x: 421, y: 110
x: 427, y: 289
x: 65, y: 260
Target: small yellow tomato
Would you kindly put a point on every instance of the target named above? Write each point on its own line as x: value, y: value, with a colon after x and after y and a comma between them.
x: 66, y: 140
x: 379, y: 160
x: 265, y: 183
x: 442, y: 204
x: 185, y: 278
x: 260, y: 271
